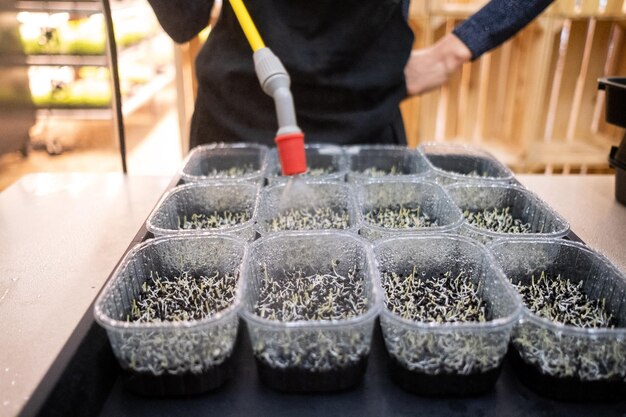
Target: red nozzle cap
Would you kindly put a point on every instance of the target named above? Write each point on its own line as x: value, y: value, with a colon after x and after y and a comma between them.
x: 291, y: 153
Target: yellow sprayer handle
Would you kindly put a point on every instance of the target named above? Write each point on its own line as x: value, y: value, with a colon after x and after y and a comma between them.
x: 248, y: 26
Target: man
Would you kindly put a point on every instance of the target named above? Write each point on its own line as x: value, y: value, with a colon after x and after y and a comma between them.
x: 350, y: 63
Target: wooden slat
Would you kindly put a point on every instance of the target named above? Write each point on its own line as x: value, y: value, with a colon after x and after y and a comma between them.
x: 557, y: 79
x: 483, y: 85
x: 501, y: 87
x: 580, y: 82
x: 444, y: 97
x: 533, y: 92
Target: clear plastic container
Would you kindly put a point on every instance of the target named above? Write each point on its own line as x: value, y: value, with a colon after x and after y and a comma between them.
x: 325, y: 163
x: 172, y: 358
x: 311, y: 355
x: 431, y: 199
x: 564, y: 361
x: 454, y: 358
x: 524, y: 206
x: 307, y: 195
x: 239, y: 162
x: 459, y: 163
x: 182, y: 203
x: 369, y: 162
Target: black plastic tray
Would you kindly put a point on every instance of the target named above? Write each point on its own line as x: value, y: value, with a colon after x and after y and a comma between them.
x: 85, y: 380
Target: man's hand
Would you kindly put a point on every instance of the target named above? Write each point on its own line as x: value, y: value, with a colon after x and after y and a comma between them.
x: 431, y: 67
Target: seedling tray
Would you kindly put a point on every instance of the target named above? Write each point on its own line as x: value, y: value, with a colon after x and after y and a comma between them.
x: 235, y: 162
x: 85, y: 379
x: 570, y: 342
x: 306, y: 337
x: 447, y: 316
x: 169, y: 334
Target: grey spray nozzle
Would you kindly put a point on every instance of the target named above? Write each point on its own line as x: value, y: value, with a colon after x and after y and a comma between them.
x: 275, y: 82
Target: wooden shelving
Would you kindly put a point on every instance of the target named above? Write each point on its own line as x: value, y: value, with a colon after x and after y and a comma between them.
x: 536, y: 95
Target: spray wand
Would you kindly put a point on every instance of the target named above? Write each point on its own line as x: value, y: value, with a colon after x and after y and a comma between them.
x: 275, y: 82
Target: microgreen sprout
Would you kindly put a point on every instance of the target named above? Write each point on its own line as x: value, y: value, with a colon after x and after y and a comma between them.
x: 295, y: 295
x: 233, y: 172
x: 447, y: 298
x: 377, y: 172
x: 562, y: 354
x: 215, y: 220
x: 183, y: 298
x: 310, y: 219
x: 476, y: 174
x: 497, y: 220
x: 399, y: 217
x: 450, y: 297
x: 178, y: 352
x: 320, y: 296
x: 319, y: 171
x: 563, y: 301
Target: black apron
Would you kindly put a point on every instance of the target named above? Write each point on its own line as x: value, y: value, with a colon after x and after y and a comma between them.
x: 345, y: 58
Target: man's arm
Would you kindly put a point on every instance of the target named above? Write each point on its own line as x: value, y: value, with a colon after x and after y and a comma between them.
x: 496, y: 22
x: 182, y: 19
x: 491, y: 26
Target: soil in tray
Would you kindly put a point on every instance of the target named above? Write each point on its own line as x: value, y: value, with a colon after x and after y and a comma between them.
x: 169, y: 385
x: 300, y: 380
x: 442, y: 385
x: 567, y: 388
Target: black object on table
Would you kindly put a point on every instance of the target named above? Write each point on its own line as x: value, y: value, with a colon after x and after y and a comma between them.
x: 86, y: 380
x: 615, y: 99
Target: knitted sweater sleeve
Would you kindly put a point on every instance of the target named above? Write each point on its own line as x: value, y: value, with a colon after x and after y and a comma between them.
x: 182, y: 19
x: 496, y: 22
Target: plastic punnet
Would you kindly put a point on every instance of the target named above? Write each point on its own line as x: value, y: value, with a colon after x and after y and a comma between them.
x: 239, y: 162
x: 311, y: 355
x: 565, y: 361
x: 431, y: 199
x: 371, y: 162
x: 182, y: 203
x: 172, y: 357
x: 460, y: 163
x: 523, y: 205
x: 446, y: 358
